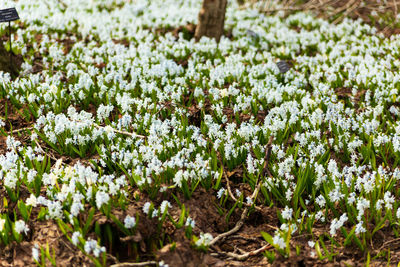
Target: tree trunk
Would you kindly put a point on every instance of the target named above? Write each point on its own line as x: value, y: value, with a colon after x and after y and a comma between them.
x: 211, y: 19
x: 12, y: 66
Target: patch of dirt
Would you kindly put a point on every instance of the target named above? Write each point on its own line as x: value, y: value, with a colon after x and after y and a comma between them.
x: 260, y: 117
x: 3, y: 145
x: 13, y: 115
x: 67, y: 43
x: 182, y: 254
x: 187, y: 30
x: 123, y: 42
x: 347, y: 92
x: 42, y: 233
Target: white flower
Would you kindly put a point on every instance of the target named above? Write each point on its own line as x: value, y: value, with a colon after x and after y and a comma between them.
x: 204, y: 239
x: 279, y: 241
x: 129, y: 222
x: 224, y: 92
x: 287, y: 213
x: 75, y: 238
x: 249, y: 200
x: 146, y: 207
x: 190, y: 222
x: 362, y: 204
x: 103, y: 112
x: 35, y: 253
x: 2, y: 223
x: 155, y: 213
x: 31, y: 201
x: 92, y: 246
x: 164, y: 206
x: 220, y: 193
x: 389, y: 200
x: 360, y: 228
x: 311, y: 243
x: 20, y: 227
x: 101, y: 198
x: 378, y: 204
x: 337, y: 224
x: 108, y: 129
x: 320, y: 200
x: 238, y: 193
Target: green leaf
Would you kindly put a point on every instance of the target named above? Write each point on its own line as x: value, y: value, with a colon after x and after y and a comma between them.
x: 88, y: 223
x: 23, y: 210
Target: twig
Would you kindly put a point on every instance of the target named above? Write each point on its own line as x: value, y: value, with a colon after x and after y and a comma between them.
x: 121, y: 132
x: 349, y: 8
x: 20, y: 130
x: 250, y: 239
x: 388, y: 242
x: 47, y: 154
x: 134, y: 264
x: 137, y: 238
x: 244, y: 256
x: 112, y: 258
x: 116, y: 131
x: 289, y: 8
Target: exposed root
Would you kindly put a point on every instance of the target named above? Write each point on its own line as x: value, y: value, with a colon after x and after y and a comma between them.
x: 244, y: 256
x: 237, y: 227
x: 135, y: 264
x: 20, y: 130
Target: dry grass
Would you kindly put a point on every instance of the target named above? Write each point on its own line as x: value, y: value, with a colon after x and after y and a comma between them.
x: 380, y: 13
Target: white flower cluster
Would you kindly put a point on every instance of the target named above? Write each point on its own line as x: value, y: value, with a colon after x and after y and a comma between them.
x: 204, y: 240
x: 333, y: 115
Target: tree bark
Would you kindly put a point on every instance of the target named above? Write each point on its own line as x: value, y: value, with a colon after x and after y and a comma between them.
x: 13, y: 67
x: 211, y: 19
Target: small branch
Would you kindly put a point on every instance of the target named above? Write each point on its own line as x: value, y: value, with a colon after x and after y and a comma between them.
x: 122, y: 132
x: 113, y: 258
x: 388, y: 242
x: 244, y: 256
x: 289, y: 8
x: 47, y: 154
x: 20, y: 130
x: 249, y: 239
x: 116, y: 131
x: 136, y: 238
x: 135, y: 264
x: 348, y: 8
